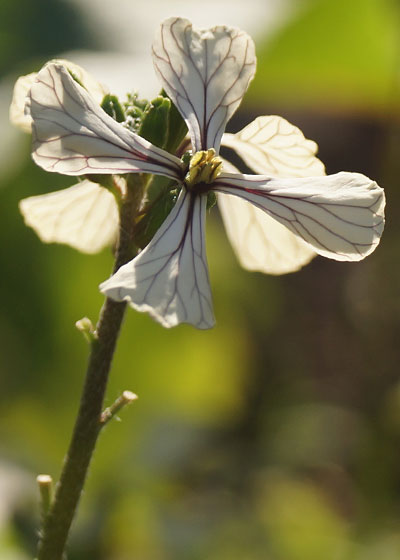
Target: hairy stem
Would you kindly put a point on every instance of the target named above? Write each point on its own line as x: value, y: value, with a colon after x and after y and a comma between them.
x: 88, y: 423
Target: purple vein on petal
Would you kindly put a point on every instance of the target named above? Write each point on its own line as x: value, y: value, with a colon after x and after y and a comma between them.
x: 169, y: 278
x: 91, y: 136
x: 344, y: 226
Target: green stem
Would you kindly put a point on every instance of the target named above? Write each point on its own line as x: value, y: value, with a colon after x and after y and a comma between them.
x: 88, y: 423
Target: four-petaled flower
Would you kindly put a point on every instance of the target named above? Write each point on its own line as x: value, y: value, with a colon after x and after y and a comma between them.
x: 206, y: 74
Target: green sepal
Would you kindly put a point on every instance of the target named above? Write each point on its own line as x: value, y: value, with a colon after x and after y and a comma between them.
x: 162, y: 124
x: 177, y: 129
x: 154, y: 126
x: 161, y: 197
x: 211, y: 199
x: 105, y: 180
x: 113, y: 107
x: 75, y: 78
x: 187, y: 156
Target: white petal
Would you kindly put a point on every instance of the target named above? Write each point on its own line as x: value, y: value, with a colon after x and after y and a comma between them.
x: 74, y: 136
x: 22, y: 119
x: 84, y: 216
x: 95, y: 88
x: 340, y: 216
x: 17, y: 108
x: 272, y: 146
x: 206, y: 73
x: 260, y: 242
x: 169, y: 278
x: 268, y: 145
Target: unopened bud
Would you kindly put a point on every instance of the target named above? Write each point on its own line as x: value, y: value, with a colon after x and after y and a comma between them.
x: 85, y: 326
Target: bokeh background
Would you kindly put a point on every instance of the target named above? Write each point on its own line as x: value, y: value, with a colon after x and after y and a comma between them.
x: 275, y: 436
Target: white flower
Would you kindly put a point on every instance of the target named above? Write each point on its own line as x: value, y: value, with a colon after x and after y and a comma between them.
x: 206, y: 74
x: 270, y: 145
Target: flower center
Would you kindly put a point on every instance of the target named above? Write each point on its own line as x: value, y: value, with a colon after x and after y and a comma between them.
x: 204, y: 168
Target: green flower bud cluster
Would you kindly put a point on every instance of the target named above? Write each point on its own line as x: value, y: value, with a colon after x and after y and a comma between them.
x: 159, y: 122
x: 162, y: 125
x: 134, y: 110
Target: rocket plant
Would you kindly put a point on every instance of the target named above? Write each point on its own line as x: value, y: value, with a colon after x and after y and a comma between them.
x: 147, y: 174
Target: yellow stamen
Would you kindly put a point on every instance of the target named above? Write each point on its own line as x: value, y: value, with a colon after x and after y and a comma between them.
x: 204, y: 167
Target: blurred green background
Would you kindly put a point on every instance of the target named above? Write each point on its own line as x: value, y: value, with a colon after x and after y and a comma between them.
x: 275, y: 436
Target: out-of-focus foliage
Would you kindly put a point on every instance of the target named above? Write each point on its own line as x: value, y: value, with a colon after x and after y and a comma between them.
x: 274, y: 436
x: 36, y: 30
x: 334, y: 55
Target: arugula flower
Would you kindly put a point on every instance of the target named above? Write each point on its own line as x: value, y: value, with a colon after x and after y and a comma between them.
x: 206, y: 74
